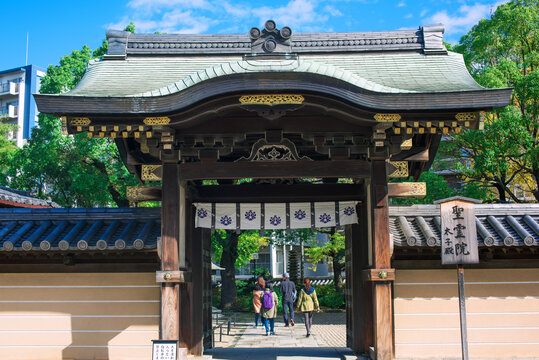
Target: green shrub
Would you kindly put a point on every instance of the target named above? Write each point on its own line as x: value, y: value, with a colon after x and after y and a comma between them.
x: 329, y: 297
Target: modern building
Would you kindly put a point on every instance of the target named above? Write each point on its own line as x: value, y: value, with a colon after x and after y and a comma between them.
x: 16, y: 101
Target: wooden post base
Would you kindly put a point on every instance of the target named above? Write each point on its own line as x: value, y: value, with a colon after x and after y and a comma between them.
x: 383, y: 331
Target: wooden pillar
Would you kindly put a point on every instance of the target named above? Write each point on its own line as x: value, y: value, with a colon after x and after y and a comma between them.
x: 359, y: 292
x: 381, y: 258
x: 196, y: 261
x: 170, y: 329
x: 207, y: 294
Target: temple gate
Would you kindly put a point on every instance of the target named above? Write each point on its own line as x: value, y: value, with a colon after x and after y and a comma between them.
x: 278, y: 109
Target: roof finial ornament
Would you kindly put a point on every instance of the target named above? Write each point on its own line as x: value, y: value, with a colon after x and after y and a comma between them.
x: 270, y: 39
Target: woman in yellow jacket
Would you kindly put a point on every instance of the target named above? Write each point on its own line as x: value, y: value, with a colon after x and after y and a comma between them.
x: 307, y: 303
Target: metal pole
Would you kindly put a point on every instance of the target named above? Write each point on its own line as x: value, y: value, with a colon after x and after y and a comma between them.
x: 462, y: 309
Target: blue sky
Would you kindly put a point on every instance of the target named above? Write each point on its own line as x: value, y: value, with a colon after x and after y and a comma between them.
x: 57, y: 27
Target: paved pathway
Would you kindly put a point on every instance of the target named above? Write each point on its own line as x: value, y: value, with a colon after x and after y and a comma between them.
x: 245, y: 342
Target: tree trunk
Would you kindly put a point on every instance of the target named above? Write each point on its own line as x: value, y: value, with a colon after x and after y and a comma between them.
x: 228, y: 276
x: 338, y: 268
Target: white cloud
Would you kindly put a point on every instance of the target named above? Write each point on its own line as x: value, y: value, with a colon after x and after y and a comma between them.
x: 401, y: 4
x: 424, y: 12
x: 464, y: 18
x: 298, y: 14
x: 156, y: 4
x: 197, y: 16
x: 332, y: 10
x: 409, y: 16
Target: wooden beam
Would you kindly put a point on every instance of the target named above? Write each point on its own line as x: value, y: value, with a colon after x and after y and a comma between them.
x: 407, y: 190
x: 170, y: 329
x: 277, y: 192
x: 273, y: 170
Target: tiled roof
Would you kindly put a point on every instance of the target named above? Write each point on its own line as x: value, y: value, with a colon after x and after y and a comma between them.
x: 497, y: 225
x: 79, y: 229
x: 19, y: 198
x: 385, y: 73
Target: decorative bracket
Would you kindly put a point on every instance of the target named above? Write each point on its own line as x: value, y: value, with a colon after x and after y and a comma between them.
x: 407, y: 190
x: 151, y: 172
x: 271, y: 106
x: 285, y: 150
x: 398, y: 169
x: 143, y: 193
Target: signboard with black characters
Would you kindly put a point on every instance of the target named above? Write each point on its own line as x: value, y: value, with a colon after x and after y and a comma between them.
x: 164, y: 350
x: 458, y: 231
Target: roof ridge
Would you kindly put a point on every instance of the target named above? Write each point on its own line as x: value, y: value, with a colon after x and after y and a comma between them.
x: 425, y: 38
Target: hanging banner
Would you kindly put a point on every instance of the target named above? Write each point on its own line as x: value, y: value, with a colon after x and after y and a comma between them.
x: 275, y: 216
x: 300, y: 215
x: 250, y: 216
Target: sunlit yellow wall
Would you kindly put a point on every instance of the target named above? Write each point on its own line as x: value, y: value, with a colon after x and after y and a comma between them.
x: 502, y: 307
x: 78, y: 316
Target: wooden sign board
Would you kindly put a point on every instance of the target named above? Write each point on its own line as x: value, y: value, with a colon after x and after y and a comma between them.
x: 164, y: 350
x: 458, y: 231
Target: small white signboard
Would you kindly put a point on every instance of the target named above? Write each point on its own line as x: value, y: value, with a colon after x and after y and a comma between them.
x: 164, y: 350
x: 458, y: 231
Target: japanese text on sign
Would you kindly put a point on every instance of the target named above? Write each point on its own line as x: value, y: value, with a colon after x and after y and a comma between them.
x: 458, y: 231
x: 164, y: 350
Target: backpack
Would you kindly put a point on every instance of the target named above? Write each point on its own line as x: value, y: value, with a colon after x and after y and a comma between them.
x: 267, y: 300
x: 294, y: 295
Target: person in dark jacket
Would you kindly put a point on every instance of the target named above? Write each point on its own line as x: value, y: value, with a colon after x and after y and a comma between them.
x: 288, y: 291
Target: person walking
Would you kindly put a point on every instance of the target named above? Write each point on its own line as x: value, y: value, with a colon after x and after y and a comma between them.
x: 307, y: 303
x: 288, y: 291
x: 257, y: 293
x: 268, y: 312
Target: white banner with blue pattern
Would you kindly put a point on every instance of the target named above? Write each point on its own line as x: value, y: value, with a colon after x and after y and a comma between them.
x: 275, y: 216
x: 324, y: 214
x: 203, y: 215
x: 225, y: 216
x: 250, y: 216
x: 347, y: 212
x: 301, y: 217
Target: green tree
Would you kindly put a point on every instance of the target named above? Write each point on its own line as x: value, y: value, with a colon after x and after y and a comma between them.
x: 8, y: 147
x: 332, y: 250
x: 232, y: 251
x: 503, y: 52
x: 72, y: 170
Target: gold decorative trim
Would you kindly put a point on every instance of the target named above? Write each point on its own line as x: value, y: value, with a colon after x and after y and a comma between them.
x: 401, y: 169
x: 387, y: 117
x: 157, y: 120
x: 470, y: 116
x: 407, y: 144
x: 271, y: 100
x: 79, y: 121
x: 150, y: 173
x: 418, y: 189
x: 136, y: 193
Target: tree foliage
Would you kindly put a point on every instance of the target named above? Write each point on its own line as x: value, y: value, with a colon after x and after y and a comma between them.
x: 503, y: 52
x: 8, y: 147
x: 231, y: 251
x: 74, y: 171
x: 332, y: 250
